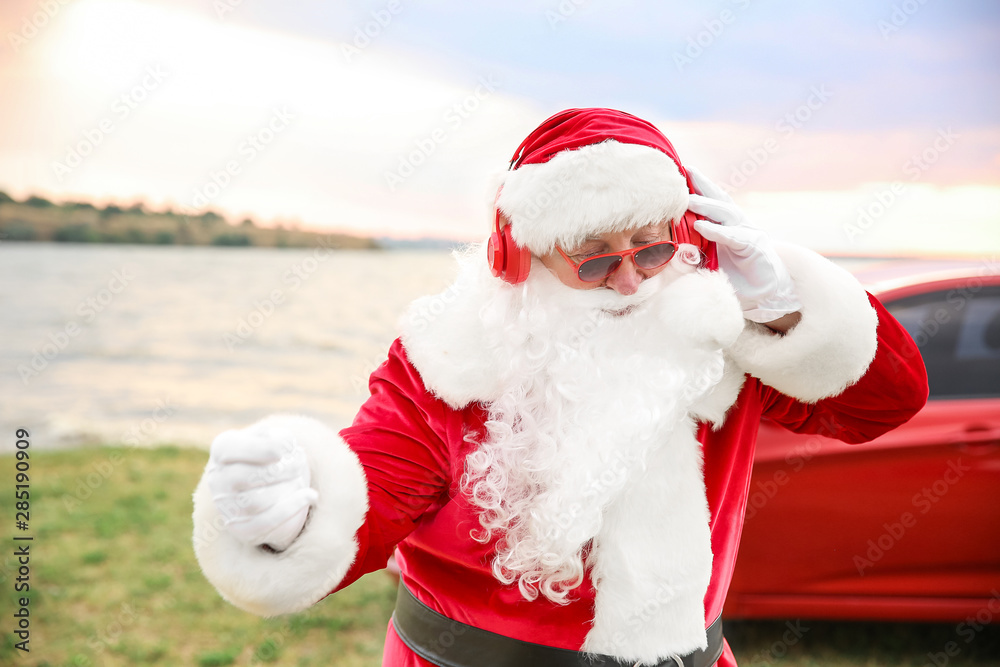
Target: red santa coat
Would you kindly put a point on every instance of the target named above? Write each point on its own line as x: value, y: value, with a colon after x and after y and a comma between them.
x: 407, y: 447
x: 413, y: 447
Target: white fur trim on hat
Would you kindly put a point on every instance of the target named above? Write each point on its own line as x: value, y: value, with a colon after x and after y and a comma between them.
x: 267, y: 583
x: 592, y: 190
x: 829, y: 349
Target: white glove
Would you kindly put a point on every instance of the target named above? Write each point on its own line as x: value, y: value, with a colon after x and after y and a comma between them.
x: 746, y: 254
x: 259, y: 478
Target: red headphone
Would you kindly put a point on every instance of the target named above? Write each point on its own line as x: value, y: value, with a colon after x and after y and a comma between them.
x: 684, y: 232
x: 508, y: 260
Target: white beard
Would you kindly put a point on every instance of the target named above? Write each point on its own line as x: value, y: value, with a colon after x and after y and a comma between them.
x: 590, y: 458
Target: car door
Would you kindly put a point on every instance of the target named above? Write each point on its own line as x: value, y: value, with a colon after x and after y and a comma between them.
x: 907, y: 526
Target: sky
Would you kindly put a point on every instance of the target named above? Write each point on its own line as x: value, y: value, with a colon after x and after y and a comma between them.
x: 854, y: 127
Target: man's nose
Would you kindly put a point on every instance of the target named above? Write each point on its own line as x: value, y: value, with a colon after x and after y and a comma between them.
x: 626, y: 279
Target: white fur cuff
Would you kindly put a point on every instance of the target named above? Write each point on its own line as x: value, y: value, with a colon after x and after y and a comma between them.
x: 829, y: 349
x: 267, y: 583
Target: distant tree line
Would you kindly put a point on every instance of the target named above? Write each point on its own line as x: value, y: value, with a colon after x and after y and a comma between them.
x: 39, y: 219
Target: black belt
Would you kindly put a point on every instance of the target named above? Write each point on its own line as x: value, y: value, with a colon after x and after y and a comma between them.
x: 447, y: 643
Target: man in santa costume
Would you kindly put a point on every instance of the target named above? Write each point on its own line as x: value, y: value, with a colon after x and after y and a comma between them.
x: 558, y: 447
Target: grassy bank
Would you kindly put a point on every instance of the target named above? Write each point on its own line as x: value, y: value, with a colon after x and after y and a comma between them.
x: 114, y: 582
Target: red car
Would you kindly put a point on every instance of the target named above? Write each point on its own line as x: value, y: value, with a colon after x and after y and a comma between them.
x: 906, y: 527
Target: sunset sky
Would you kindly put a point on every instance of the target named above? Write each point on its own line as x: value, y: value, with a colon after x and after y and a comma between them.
x: 859, y: 126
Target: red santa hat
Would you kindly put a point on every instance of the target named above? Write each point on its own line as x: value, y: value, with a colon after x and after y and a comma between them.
x: 585, y: 172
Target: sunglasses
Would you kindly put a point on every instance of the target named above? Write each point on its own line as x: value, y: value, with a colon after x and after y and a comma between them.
x: 599, y: 267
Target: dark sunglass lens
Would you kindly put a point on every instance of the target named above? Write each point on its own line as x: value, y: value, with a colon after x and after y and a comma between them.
x: 598, y: 268
x: 654, y: 256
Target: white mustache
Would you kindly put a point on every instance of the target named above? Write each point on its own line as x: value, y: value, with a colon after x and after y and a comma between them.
x: 608, y: 300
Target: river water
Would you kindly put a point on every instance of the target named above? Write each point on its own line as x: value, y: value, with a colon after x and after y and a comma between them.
x: 141, y: 345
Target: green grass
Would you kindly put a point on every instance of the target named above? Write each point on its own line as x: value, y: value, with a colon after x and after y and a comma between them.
x: 114, y: 582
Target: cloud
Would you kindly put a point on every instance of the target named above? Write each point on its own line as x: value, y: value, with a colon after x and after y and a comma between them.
x: 780, y: 157
x: 356, y: 117
x: 397, y: 121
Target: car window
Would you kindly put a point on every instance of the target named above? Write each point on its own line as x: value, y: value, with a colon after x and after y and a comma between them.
x: 958, y: 333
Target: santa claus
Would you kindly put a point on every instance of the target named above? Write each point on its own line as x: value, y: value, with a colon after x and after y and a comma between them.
x: 558, y: 447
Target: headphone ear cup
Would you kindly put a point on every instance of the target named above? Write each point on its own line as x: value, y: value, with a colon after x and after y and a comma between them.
x: 518, y: 259
x: 684, y: 232
x: 508, y: 261
x: 495, y: 254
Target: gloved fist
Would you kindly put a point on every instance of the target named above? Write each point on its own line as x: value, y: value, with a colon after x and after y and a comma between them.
x: 746, y: 254
x: 259, y: 478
